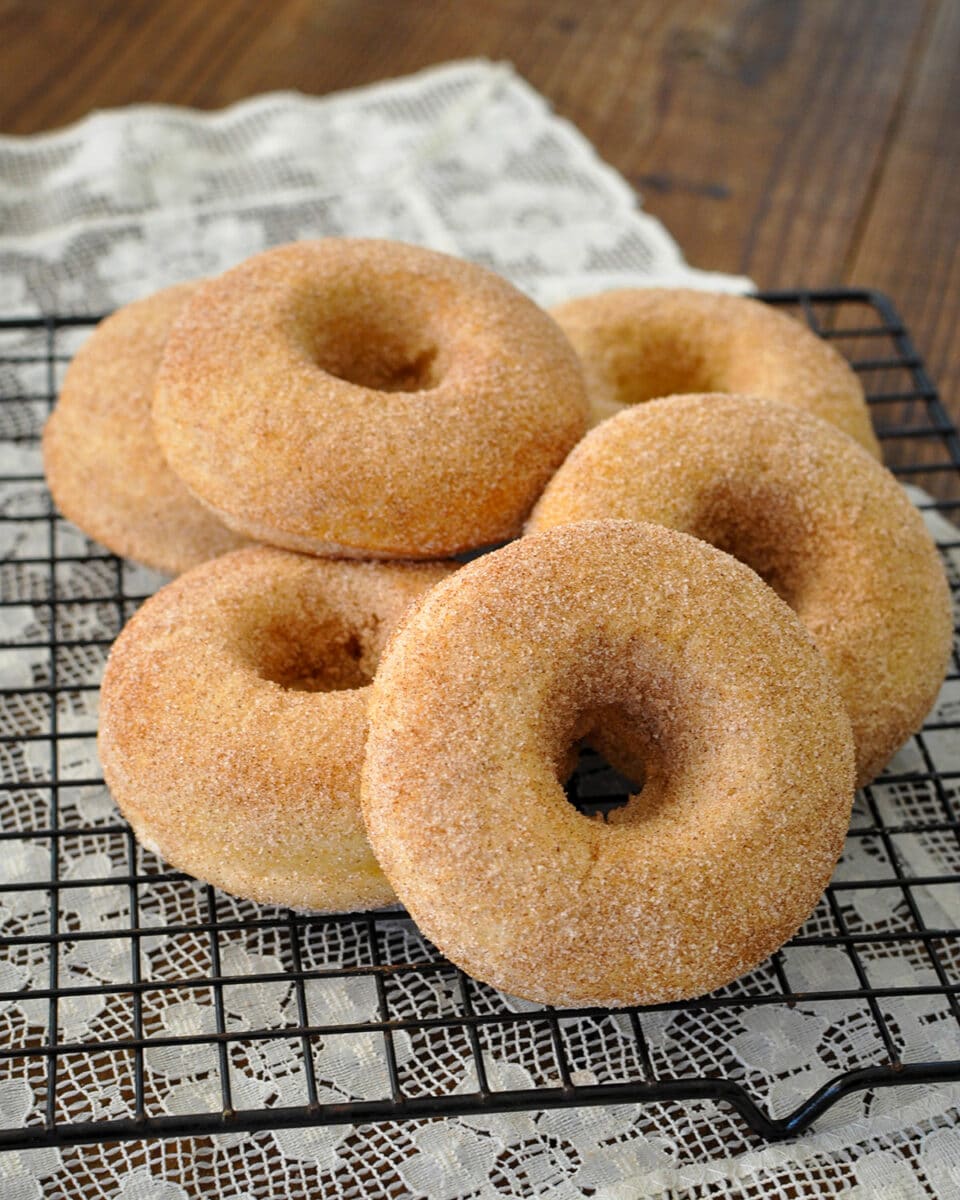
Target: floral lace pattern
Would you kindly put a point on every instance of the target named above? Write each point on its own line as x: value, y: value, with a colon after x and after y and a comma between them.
x: 465, y: 158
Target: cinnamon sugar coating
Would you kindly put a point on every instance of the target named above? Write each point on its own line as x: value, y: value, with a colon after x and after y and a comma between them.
x: 804, y: 505
x: 362, y: 397
x: 748, y: 767
x: 101, y: 459
x: 639, y: 343
x: 233, y: 722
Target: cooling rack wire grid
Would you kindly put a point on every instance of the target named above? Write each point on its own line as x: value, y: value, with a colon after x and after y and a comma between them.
x: 136, y: 1001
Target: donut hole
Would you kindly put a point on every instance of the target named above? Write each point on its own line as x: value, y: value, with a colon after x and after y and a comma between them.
x: 373, y: 342
x: 664, y: 365
x: 642, y: 735
x: 338, y: 669
x: 595, y: 787
x: 614, y: 764
x: 760, y: 556
x: 382, y: 367
x: 331, y: 658
x: 762, y: 527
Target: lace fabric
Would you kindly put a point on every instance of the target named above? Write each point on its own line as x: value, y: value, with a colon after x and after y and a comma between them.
x: 465, y: 158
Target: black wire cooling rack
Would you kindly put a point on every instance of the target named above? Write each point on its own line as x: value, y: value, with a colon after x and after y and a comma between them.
x: 431, y: 1026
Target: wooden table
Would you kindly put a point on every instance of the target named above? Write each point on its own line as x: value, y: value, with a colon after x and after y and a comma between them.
x: 803, y: 142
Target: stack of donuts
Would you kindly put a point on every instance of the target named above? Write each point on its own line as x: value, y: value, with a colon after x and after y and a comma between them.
x: 718, y: 586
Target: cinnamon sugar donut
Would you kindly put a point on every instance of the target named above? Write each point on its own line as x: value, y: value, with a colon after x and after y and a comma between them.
x: 362, y: 397
x: 639, y: 343
x: 825, y: 524
x: 233, y: 721
x: 748, y: 767
x: 102, y: 461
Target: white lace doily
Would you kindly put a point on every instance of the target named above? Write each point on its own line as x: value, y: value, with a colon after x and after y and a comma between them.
x: 465, y: 158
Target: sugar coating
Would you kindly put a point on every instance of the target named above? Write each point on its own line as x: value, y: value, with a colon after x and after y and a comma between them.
x: 807, y: 507
x: 102, y: 461
x: 749, y: 767
x: 211, y: 745
x: 639, y: 343
x: 372, y: 396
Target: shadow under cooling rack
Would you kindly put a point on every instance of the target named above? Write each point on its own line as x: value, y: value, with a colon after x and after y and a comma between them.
x: 135, y: 1001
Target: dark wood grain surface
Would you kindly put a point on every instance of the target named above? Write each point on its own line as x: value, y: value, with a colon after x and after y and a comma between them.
x: 803, y: 142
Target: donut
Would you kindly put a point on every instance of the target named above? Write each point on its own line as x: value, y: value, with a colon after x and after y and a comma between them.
x: 821, y: 521
x: 233, y: 722
x: 102, y: 462
x: 639, y: 343
x: 360, y: 397
x: 748, y: 777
